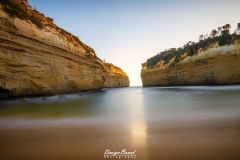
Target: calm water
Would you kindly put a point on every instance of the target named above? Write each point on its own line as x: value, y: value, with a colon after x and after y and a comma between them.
x: 153, y: 104
x: 135, y: 112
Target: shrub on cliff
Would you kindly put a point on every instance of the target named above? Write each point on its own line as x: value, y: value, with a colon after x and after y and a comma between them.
x: 20, y: 10
x: 225, y: 40
x: 14, y: 8
x: 50, y: 19
x: 191, y: 48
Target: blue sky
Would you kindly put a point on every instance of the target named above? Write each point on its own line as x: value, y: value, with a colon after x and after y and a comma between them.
x: 127, y: 32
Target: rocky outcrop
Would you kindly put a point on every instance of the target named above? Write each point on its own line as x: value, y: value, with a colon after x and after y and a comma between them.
x: 215, y: 65
x: 41, y: 58
x: 115, y: 76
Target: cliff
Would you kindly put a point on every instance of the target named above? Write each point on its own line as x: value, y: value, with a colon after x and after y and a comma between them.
x: 216, y: 63
x: 115, y: 76
x: 37, y: 57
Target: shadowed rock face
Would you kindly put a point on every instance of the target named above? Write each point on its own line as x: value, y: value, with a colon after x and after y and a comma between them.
x: 218, y: 65
x: 46, y: 60
x: 115, y: 77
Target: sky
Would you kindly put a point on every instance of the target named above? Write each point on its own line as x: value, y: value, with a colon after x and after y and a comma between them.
x: 127, y: 32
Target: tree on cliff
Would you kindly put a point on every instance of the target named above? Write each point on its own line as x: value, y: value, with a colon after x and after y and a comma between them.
x: 237, y: 31
x: 213, y: 33
x: 173, y: 56
x: 226, y: 29
x: 201, y: 37
x: 206, y: 36
x: 219, y: 30
x: 227, y: 26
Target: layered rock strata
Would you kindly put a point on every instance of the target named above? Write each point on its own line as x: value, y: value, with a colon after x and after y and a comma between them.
x: 45, y: 60
x: 115, y: 76
x: 217, y: 65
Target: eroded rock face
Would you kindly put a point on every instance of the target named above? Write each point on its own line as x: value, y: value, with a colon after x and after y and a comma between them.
x: 219, y: 65
x: 40, y: 61
x: 115, y: 76
x: 47, y: 60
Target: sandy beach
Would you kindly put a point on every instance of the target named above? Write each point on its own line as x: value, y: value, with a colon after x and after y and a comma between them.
x: 176, y: 123
x: 219, y: 139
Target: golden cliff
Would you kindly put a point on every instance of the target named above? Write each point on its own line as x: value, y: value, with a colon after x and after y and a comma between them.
x: 215, y: 63
x: 115, y: 76
x: 37, y: 57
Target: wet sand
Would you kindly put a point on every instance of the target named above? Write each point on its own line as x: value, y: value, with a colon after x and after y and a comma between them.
x: 215, y: 139
x: 178, y: 123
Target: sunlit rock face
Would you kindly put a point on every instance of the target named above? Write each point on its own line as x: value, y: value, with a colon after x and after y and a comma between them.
x: 35, y: 61
x: 217, y: 65
x: 115, y: 76
x: 43, y: 60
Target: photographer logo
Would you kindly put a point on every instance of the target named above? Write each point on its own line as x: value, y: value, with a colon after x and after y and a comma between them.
x: 123, y: 154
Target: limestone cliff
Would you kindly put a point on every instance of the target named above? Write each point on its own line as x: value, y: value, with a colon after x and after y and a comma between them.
x: 214, y: 64
x: 38, y: 57
x: 115, y: 76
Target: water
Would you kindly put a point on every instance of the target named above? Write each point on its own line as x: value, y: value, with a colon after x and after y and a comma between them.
x: 135, y: 118
x: 153, y: 104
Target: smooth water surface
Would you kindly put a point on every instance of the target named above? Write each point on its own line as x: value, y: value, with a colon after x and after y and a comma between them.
x: 135, y: 118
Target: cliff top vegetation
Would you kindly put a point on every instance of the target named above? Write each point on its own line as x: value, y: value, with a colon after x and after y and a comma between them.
x: 219, y: 37
x: 22, y: 10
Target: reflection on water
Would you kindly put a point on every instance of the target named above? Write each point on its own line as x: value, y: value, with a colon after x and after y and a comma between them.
x: 139, y: 136
x: 134, y: 105
x: 133, y: 112
x: 139, y: 126
x: 138, y: 132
